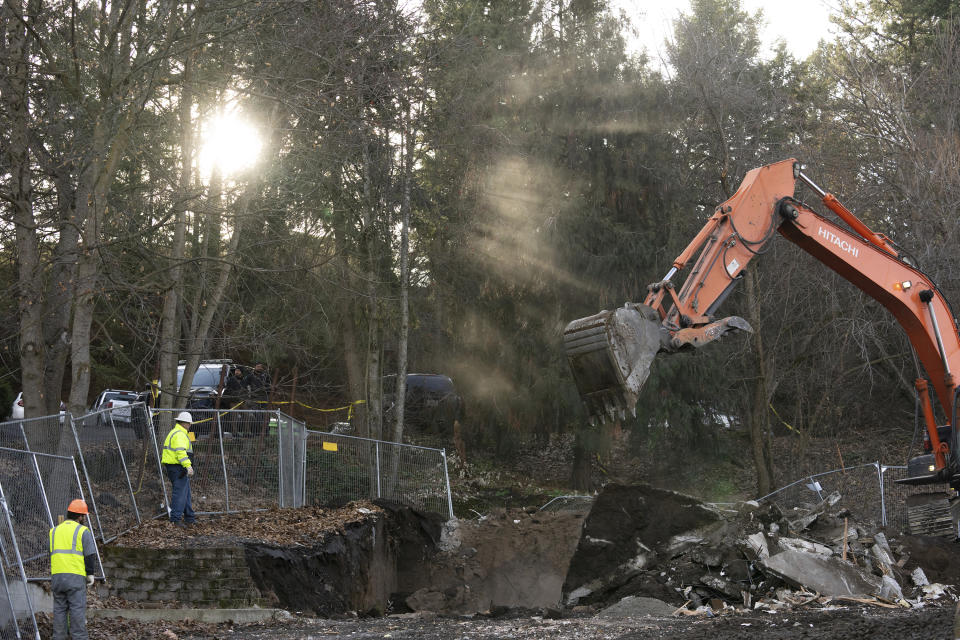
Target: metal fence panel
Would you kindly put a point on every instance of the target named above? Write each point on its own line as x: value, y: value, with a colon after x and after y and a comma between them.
x: 235, y: 458
x: 414, y: 475
x: 869, y: 491
x: 341, y: 468
x: 17, y: 616
x: 104, y: 450
x: 291, y: 451
x: 38, y: 487
x: 895, y: 497
x: 251, y: 455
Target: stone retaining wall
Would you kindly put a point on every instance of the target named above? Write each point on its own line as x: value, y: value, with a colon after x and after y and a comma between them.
x: 201, y: 577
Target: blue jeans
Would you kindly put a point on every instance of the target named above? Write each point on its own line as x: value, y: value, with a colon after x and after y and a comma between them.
x: 180, y: 506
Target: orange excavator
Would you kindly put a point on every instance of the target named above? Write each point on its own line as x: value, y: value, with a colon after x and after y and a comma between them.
x: 610, y: 353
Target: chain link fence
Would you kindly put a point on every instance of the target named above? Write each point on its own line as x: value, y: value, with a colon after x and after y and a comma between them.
x: 868, y: 491
x: 340, y: 468
x: 244, y: 460
x: 17, y: 615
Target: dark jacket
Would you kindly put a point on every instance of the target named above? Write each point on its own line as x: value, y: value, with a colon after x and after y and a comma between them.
x: 235, y: 388
x: 259, y: 384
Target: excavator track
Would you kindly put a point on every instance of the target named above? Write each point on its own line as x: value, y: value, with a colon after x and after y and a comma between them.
x: 932, y: 514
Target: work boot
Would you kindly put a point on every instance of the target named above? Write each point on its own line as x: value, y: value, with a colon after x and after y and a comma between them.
x: 179, y: 523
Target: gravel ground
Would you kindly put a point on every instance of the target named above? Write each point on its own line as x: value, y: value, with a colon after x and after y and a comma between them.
x: 838, y: 624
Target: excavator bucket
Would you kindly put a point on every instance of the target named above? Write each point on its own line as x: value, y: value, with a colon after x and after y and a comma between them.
x: 610, y: 354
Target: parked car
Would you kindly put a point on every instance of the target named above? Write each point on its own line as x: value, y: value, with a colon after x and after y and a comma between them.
x: 203, y: 389
x: 16, y: 411
x: 432, y: 402
x: 206, y: 380
x: 118, y: 401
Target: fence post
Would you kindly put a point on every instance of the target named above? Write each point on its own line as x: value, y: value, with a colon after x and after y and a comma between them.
x: 293, y: 458
x: 446, y: 475
x: 883, y: 502
x: 123, y: 463
x: 223, y: 461
x: 83, y: 465
x: 43, y: 490
x: 6, y: 586
x: 377, y: 453
x: 156, y: 451
x: 280, y: 502
x: 303, y: 465
x: 96, y: 548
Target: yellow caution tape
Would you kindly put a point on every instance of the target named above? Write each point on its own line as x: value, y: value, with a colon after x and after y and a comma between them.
x: 784, y: 422
x: 348, y: 407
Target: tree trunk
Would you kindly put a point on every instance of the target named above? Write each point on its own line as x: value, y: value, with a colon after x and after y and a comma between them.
x: 404, y: 283
x: 170, y: 312
x: 374, y: 371
x: 17, y: 161
x: 759, y: 413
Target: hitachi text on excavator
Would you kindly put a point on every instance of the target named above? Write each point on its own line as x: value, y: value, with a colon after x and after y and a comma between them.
x: 610, y: 353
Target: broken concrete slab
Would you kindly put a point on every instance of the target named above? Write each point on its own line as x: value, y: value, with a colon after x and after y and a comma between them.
x: 919, y: 577
x: 634, y: 525
x: 827, y: 576
x: 808, y: 518
x: 680, y: 544
x: 806, y: 546
x: 722, y: 585
x: 757, y: 543
x: 890, y: 589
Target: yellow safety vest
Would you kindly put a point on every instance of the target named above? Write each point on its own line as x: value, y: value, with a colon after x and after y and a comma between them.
x: 66, y: 548
x: 176, y: 446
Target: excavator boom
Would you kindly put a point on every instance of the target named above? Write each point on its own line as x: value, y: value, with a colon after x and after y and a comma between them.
x: 610, y: 353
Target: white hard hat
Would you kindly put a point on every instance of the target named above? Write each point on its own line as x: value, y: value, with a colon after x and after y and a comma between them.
x: 185, y: 417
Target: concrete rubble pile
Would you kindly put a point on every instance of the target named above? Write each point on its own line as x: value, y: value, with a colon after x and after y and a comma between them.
x: 641, y: 544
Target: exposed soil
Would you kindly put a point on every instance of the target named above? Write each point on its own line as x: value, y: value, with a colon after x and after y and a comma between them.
x: 844, y: 623
x: 507, y: 558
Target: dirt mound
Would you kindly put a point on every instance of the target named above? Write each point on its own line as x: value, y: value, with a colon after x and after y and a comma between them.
x: 938, y: 557
x: 515, y: 558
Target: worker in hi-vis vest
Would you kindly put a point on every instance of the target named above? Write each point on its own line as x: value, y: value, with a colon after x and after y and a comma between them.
x: 73, y: 564
x: 176, y: 459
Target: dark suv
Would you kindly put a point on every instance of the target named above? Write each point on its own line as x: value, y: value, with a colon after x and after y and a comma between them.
x: 432, y: 402
x: 203, y: 390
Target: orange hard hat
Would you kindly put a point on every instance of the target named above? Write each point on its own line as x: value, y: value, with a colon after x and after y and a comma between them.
x: 78, y: 506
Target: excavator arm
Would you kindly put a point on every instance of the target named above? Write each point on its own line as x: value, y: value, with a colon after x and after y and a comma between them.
x: 611, y: 352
